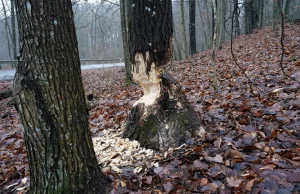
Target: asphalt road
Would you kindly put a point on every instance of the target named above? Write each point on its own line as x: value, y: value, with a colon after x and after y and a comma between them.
x: 9, y: 74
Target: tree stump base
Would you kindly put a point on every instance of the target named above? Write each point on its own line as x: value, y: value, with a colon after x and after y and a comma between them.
x: 168, y: 122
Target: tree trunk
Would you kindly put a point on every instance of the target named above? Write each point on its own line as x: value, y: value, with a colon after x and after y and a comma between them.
x: 51, y: 103
x: 13, y: 29
x: 176, y: 46
x: 125, y: 42
x: 163, y: 117
x: 214, y: 20
x: 185, y: 44
x: 261, y: 13
x: 209, y: 25
x: 251, y: 16
x: 281, y: 6
x: 236, y: 16
x: 274, y: 13
x: 221, y: 23
x: 7, y: 30
x: 288, y: 13
x: 214, y: 45
x: 192, y: 26
x: 284, y: 8
x: 206, y: 38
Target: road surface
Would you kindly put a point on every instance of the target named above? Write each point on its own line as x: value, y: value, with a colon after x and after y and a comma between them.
x: 9, y: 74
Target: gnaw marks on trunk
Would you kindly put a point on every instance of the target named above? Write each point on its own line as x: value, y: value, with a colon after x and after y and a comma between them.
x: 165, y: 119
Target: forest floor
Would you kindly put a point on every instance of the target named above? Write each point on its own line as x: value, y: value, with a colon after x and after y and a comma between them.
x: 251, y: 142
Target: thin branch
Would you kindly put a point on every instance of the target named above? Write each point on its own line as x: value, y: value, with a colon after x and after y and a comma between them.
x: 282, y: 44
x: 111, y: 2
x: 8, y: 30
x: 234, y: 58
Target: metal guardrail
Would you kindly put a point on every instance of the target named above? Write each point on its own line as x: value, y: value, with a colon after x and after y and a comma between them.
x: 7, y: 62
x: 101, y: 60
x: 9, y: 74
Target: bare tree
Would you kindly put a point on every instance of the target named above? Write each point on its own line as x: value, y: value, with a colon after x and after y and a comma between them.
x: 192, y: 26
x: 220, y: 23
x: 236, y: 15
x: 7, y: 29
x: 13, y: 29
x: 251, y: 16
x: 185, y: 44
x: 125, y: 41
x: 214, y: 45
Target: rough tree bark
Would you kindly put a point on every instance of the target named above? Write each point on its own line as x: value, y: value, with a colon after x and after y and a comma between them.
x: 192, y: 26
x: 51, y: 103
x: 125, y: 41
x: 163, y: 117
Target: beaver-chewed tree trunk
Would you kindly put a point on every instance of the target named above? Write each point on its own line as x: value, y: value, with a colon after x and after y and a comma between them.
x: 163, y: 117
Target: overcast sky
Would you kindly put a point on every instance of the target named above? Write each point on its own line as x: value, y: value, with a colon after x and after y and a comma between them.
x: 7, y: 5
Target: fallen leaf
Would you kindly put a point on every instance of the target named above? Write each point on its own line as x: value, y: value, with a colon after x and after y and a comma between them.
x: 249, y: 185
x: 218, y: 158
x: 236, y: 155
x: 233, y: 181
x: 268, y: 167
x: 149, y: 180
x: 200, y: 165
x: 168, y: 187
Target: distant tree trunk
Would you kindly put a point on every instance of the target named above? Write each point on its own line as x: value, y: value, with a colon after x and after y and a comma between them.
x: 50, y: 100
x: 261, y: 13
x: 209, y: 24
x: 274, y: 15
x: 7, y: 30
x: 251, y: 16
x: 192, y: 26
x: 214, y: 20
x: 125, y: 42
x: 214, y: 45
x: 284, y: 7
x: 177, y: 49
x: 202, y: 25
x: 221, y: 7
x: 236, y: 16
x: 281, y: 6
x: 185, y: 44
x: 288, y: 9
x: 13, y: 29
x: 163, y: 117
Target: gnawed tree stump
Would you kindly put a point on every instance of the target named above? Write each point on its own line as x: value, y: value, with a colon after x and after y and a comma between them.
x: 168, y: 122
x: 163, y: 117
